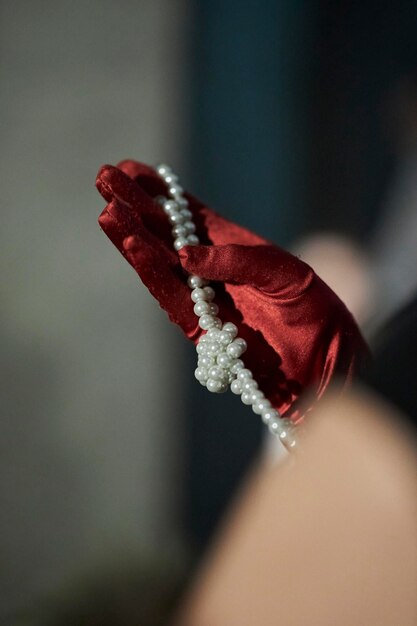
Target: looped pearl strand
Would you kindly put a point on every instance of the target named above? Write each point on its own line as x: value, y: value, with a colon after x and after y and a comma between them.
x: 219, y: 349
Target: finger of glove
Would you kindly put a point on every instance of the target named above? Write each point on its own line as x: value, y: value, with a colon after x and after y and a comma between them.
x: 114, y: 183
x: 117, y: 222
x: 155, y: 263
x: 268, y: 268
x: 211, y: 227
x: 162, y: 274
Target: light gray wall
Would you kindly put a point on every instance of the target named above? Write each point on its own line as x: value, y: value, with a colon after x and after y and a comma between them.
x: 90, y: 390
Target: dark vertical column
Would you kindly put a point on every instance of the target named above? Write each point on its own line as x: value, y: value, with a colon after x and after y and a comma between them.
x: 250, y: 107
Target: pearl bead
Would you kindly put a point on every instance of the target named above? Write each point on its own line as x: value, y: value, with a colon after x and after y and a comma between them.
x: 260, y: 406
x: 225, y: 337
x: 213, y: 334
x: 170, y: 206
x: 246, y: 397
x: 206, y: 361
x: 186, y: 213
x: 287, y: 433
x: 195, y: 281
x: 201, y: 307
x: 286, y: 424
x: 214, y: 309
x: 202, y: 348
x: 241, y: 342
x: 231, y: 328
x: 179, y: 231
x: 170, y: 178
x: 216, y: 372
x: 236, y: 366
x: 175, y: 190
x: 213, y: 348
x: 269, y: 415
x: 234, y: 350
x: 193, y: 240
x: 224, y: 360
x: 190, y: 226
x: 163, y: 170
x: 290, y: 442
x: 213, y: 385
x: 216, y: 386
x: 183, y: 202
x: 244, y: 374
x: 274, y: 427
x: 256, y: 395
x: 176, y: 218
x: 179, y: 243
x: 209, y: 293
x: 198, y: 294
x: 236, y: 387
x: 248, y: 384
x: 206, y: 321
x: 201, y: 374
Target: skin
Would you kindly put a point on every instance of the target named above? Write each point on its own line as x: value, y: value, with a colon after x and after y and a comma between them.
x: 328, y: 538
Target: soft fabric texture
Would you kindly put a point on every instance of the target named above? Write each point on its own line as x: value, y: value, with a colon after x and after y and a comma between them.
x: 299, y: 333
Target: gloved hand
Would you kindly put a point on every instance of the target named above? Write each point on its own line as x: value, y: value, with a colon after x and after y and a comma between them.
x: 299, y: 333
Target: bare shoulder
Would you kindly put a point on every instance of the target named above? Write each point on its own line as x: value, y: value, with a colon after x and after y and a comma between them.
x: 329, y: 538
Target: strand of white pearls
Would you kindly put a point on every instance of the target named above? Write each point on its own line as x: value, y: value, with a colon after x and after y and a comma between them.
x: 219, y: 349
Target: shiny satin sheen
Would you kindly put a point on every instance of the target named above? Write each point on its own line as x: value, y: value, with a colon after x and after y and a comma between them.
x: 300, y: 335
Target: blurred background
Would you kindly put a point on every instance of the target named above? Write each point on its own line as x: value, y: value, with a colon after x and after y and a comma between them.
x: 299, y: 120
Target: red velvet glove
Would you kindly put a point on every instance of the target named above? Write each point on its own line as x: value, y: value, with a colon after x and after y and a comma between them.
x: 299, y: 333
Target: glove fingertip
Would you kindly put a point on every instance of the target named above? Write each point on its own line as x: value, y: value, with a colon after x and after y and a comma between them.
x: 103, y: 181
x: 189, y: 257
x: 112, y: 216
x: 131, y: 243
x: 103, y: 218
x: 138, y: 251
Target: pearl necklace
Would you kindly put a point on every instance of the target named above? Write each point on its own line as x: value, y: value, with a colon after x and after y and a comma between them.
x: 219, y: 349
